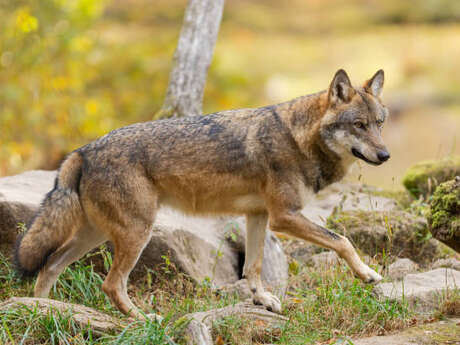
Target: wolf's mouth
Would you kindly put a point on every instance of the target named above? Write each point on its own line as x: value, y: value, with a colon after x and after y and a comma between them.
x: 359, y: 155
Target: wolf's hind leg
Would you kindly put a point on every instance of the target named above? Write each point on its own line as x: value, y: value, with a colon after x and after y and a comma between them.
x: 78, y: 245
x: 255, y: 239
x: 127, y: 252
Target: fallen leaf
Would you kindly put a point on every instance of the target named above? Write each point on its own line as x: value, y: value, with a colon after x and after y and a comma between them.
x: 220, y: 340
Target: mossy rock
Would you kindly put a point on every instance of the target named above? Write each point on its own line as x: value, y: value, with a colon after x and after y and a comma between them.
x: 444, y: 216
x: 424, y: 177
x: 383, y: 234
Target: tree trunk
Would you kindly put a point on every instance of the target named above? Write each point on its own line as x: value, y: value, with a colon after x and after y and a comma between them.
x: 192, y: 58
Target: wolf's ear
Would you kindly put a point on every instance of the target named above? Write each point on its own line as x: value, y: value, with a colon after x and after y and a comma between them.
x: 340, y: 90
x: 374, y: 86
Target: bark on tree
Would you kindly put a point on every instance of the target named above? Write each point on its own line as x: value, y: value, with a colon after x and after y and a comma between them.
x: 192, y: 58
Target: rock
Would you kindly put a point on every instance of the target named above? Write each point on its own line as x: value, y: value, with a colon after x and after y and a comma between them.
x: 324, y: 259
x: 20, y: 197
x: 397, y: 233
x: 441, y: 332
x: 300, y: 250
x: 421, y: 289
x: 83, y: 316
x: 422, y: 178
x: 346, y: 197
x: 240, y: 288
x: 204, y: 248
x: 195, y: 246
x: 449, y: 263
x: 444, y: 215
x: 401, y: 267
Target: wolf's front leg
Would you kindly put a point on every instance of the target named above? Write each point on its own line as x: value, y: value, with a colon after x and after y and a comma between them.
x: 255, y: 239
x: 295, y: 224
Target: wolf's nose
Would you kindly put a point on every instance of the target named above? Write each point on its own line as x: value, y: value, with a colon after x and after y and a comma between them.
x: 383, y: 156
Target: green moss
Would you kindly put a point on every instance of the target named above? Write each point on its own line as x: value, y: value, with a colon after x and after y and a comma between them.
x: 422, y: 178
x: 444, y: 215
x: 445, y: 206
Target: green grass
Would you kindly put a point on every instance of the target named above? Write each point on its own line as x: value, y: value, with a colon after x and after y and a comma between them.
x: 29, y: 326
x: 322, y: 305
x: 165, y: 292
x: 335, y: 304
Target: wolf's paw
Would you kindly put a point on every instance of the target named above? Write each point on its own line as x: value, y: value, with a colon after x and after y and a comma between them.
x: 369, y: 276
x: 269, y: 301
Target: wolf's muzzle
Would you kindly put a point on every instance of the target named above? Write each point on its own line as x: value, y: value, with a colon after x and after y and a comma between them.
x: 359, y: 155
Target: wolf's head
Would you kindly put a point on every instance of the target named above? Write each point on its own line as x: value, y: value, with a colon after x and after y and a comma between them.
x: 354, y: 118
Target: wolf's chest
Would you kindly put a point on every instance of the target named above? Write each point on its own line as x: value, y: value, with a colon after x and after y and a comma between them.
x: 305, y: 193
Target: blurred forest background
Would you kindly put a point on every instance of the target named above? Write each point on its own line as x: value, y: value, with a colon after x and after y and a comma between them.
x: 72, y: 70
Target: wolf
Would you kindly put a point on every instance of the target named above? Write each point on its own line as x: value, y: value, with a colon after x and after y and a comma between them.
x: 263, y: 163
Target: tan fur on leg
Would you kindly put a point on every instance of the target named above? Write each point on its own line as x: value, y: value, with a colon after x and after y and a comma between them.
x: 255, y: 238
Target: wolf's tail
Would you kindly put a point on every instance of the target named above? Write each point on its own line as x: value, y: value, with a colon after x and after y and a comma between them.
x: 58, y: 217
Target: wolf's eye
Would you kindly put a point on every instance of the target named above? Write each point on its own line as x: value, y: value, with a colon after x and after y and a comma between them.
x: 380, y: 123
x: 359, y: 124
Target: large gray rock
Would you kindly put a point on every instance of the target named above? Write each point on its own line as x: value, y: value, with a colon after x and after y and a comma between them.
x: 421, y: 289
x: 450, y: 263
x: 346, y: 197
x: 324, y: 260
x: 204, y: 248
x: 401, y: 267
x: 20, y: 197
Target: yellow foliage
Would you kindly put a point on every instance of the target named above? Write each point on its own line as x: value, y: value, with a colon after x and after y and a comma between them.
x: 26, y: 22
x: 81, y: 44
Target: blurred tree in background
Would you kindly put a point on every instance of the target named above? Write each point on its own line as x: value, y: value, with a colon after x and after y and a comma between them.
x: 72, y: 70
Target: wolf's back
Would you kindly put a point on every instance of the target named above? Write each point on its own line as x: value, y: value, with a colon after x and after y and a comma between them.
x: 59, y: 215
